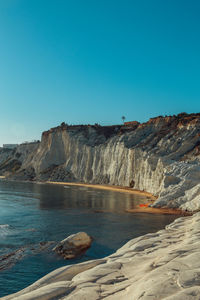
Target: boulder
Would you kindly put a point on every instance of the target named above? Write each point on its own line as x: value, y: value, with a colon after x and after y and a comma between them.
x: 74, y: 245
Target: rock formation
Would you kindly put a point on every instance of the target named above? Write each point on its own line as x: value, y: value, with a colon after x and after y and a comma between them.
x: 74, y: 245
x: 161, y: 156
x: 9, y: 259
x: 162, y: 265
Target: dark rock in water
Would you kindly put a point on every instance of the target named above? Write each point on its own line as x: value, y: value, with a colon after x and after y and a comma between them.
x: 40, y: 247
x: 10, y: 259
x: 74, y: 245
x: 43, y: 246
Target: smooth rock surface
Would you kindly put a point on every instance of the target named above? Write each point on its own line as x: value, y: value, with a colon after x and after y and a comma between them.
x: 161, y: 265
x: 161, y: 156
x: 74, y: 245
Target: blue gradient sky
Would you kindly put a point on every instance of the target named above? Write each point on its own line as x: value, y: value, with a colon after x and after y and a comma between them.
x: 93, y: 61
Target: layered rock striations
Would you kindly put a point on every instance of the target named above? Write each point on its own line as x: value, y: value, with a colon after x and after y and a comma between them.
x: 162, y: 265
x: 161, y: 156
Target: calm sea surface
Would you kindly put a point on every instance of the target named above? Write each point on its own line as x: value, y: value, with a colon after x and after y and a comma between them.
x: 33, y: 213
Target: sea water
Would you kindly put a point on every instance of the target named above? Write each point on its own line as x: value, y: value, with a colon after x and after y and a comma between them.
x: 32, y: 213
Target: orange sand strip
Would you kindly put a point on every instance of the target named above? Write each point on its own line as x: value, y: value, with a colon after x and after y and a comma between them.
x: 107, y: 187
x: 142, y: 208
x: 163, y: 211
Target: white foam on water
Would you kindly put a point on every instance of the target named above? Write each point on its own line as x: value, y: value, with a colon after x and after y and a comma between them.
x: 4, y: 226
x: 4, y: 229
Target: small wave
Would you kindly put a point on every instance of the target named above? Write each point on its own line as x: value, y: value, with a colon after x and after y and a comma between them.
x: 4, y: 229
x: 4, y: 226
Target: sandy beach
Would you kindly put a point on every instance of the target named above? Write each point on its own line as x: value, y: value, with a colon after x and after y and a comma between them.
x: 108, y: 187
x: 163, y: 211
x: 150, y: 198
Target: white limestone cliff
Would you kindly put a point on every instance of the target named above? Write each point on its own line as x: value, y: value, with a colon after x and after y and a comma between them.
x: 161, y: 156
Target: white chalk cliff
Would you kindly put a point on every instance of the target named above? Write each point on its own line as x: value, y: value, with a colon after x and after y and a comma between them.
x: 162, y: 157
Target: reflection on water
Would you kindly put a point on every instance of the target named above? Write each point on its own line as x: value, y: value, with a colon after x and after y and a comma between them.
x: 83, y: 197
x: 31, y: 213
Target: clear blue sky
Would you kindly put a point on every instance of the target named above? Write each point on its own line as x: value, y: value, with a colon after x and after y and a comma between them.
x: 82, y: 61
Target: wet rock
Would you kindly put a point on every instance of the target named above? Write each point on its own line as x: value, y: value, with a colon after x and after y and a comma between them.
x: 43, y: 246
x: 162, y: 265
x: 74, y: 245
x: 9, y: 259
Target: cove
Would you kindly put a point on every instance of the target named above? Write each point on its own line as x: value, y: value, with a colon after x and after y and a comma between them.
x: 33, y: 213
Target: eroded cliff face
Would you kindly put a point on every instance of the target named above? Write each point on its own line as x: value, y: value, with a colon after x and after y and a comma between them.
x: 161, y: 156
x: 11, y: 161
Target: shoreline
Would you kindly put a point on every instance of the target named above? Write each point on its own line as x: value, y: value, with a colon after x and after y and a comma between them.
x: 150, y: 198
x: 155, y: 254
x: 160, y: 264
x: 162, y: 211
x: 115, y: 188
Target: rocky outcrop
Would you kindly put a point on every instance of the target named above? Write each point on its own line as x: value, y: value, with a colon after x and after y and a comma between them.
x: 181, y: 186
x: 161, y: 156
x: 12, y: 161
x: 162, y: 265
x: 74, y: 245
x: 9, y: 259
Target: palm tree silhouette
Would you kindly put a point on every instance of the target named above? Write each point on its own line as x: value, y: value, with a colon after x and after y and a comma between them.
x: 123, y: 118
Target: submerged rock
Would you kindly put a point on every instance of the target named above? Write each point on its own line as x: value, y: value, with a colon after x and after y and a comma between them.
x: 164, y: 265
x: 10, y: 259
x: 74, y: 245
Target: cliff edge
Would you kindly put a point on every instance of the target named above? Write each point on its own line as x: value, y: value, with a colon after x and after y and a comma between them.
x: 161, y: 156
